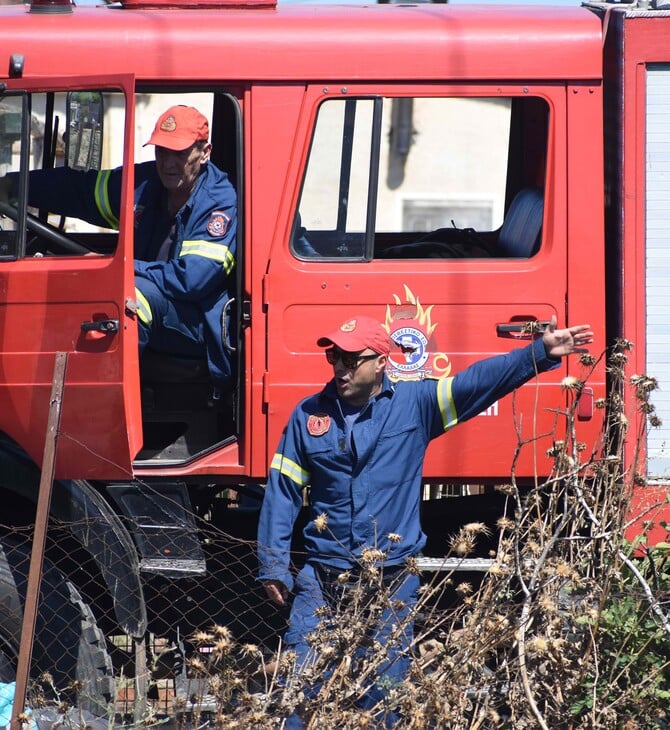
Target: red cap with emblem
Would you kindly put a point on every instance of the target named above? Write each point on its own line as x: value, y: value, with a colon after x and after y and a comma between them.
x: 179, y: 127
x: 359, y: 334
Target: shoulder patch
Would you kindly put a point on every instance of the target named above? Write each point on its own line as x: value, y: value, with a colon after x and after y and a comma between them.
x: 318, y: 424
x: 218, y: 223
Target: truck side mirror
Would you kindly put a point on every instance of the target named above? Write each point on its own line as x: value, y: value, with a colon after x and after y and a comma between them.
x: 83, y: 135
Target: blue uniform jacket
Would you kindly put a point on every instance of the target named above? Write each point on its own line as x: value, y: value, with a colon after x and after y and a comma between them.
x: 369, y: 485
x: 202, y: 256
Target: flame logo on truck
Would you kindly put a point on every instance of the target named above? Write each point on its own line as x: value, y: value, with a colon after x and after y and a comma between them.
x: 410, y: 326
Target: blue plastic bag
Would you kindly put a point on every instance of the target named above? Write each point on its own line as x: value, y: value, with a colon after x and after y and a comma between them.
x: 7, y: 690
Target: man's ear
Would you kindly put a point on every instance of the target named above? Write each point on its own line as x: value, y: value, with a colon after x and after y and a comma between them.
x: 206, y: 152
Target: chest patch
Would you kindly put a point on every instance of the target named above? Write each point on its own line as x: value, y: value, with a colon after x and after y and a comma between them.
x: 318, y: 424
x: 218, y: 224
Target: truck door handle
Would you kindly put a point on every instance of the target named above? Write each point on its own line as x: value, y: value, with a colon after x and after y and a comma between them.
x: 521, y: 330
x: 224, y: 326
x: 106, y: 326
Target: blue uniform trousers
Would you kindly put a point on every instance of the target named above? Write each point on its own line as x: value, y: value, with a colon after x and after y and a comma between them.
x: 176, y: 326
x: 317, y: 586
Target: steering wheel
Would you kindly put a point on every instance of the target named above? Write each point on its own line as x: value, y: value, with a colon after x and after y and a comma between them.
x: 46, y: 231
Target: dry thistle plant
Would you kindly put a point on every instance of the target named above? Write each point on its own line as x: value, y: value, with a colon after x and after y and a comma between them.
x: 568, y: 628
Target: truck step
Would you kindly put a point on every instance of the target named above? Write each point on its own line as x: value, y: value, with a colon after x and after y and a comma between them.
x: 176, y: 567
x: 444, y: 565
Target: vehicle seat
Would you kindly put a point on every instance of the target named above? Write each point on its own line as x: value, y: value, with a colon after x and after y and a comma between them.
x: 519, y: 235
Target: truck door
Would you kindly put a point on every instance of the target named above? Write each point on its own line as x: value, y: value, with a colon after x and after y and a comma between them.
x: 66, y: 286
x: 437, y: 213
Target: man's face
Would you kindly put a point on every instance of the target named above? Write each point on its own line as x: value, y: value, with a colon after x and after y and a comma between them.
x: 359, y: 377
x: 178, y: 170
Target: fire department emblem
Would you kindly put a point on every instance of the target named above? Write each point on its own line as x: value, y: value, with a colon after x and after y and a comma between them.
x: 318, y: 424
x: 410, y: 326
x: 169, y: 124
x: 218, y: 224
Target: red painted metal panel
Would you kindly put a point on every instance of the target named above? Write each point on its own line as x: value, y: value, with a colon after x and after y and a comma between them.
x: 644, y: 40
x: 277, y: 53
x: 192, y: 4
x: 435, y: 42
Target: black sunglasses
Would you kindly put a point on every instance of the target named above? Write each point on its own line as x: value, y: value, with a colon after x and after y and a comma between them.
x: 350, y: 360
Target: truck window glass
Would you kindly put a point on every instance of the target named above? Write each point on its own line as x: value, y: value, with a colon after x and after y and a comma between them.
x: 59, y: 137
x: 12, y: 113
x: 455, y: 178
x: 332, y: 213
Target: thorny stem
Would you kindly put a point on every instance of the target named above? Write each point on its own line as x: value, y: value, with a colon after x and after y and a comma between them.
x: 648, y: 593
x: 528, y: 591
x: 529, y: 588
x: 525, y: 612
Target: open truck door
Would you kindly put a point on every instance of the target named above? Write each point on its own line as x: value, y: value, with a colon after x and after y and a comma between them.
x: 65, y: 286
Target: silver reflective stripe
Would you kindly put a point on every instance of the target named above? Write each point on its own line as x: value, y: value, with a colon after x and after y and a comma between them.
x: 446, y: 402
x: 143, y: 308
x: 290, y: 469
x: 102, y: 198
x: 209, y: 250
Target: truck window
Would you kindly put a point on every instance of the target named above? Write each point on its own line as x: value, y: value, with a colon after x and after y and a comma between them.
x: 401, y: 178
x: 44, y: 136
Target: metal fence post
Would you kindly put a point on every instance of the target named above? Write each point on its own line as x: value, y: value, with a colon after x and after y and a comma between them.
x: 39, y: 540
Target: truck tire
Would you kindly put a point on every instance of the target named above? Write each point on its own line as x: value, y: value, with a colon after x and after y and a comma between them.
x: 68, y: 645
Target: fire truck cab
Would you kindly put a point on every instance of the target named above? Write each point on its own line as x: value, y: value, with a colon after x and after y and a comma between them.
x: 431, y: 194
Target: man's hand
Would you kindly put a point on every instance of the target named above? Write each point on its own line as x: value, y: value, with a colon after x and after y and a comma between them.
x: 558, y: 343
x: 276, y: 591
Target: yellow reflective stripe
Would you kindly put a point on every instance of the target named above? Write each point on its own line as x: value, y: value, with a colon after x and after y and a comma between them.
x: 446, y: 402
x: 290, y: 469
x: 143, y: 308
x: 209, y: 250
x: 102, y: 198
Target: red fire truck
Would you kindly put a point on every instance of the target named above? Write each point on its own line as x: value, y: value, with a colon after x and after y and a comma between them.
x: 455, y: 171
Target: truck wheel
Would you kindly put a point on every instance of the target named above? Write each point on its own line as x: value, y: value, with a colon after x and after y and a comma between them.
x: 68, y: 645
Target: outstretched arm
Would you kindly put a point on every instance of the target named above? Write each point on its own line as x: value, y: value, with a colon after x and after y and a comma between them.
x: 559, y: 343
x: 474, y: 389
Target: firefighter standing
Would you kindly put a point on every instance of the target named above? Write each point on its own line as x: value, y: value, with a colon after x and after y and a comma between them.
x: 359, y: 444
x: 185, y: 218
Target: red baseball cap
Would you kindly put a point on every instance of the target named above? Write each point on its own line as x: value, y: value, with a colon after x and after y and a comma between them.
x: 359, y: 334
x: 179, y: 127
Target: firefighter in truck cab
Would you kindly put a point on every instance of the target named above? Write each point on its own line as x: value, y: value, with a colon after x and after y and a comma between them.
x: 185, y: 232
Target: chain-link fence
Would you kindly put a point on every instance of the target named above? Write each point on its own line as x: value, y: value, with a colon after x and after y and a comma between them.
x: 94, y: 652
x: 81, y: 654
x: 209, y: 653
